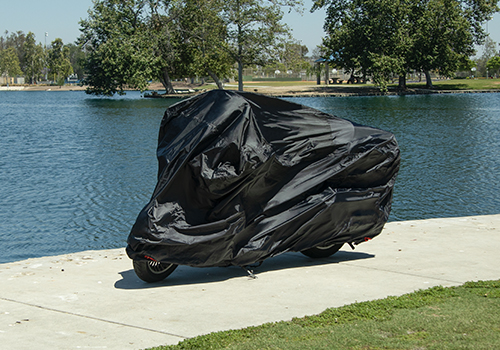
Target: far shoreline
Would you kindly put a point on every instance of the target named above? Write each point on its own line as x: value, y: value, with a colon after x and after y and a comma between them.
x: 274, y: 89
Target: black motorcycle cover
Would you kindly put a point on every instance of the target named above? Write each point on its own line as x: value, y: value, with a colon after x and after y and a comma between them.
x: 243, y: 177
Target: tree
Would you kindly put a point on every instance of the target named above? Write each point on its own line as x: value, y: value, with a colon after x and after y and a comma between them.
x: 117, y: 52
x: 444, y: 35
x: 493, y: 64
x: 14, y: 40
x: 172, y: 57
x: 33, y: 60
x: 368, y: 37
x: 292, y: 57
x: 9, y: 63
x: 489, y: 50
x: 386, y: 37
x: 204, y: 35
x: 254, y: 30
x: 77, y: 59
x: 58, y: 61
x: 467, y: 66
x: 130, y: 42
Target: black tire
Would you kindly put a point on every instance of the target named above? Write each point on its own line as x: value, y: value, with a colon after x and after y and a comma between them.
x: 322, y: 252
x: 152, y: 271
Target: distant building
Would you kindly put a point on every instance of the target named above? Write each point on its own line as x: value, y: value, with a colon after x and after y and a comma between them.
x: 11, y: 80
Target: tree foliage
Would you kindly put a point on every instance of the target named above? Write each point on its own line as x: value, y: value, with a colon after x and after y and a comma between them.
x: 368, y: 37
x: 77, y: 59
x: 9, y: 63
x: 493, y: 64
x: 489, y: 50
x: 132, y: 42
x: 383, y: 37
x: 118, y: 55
x: 14, y: 40
x: 33, y: 60
x: 204, y: 33
x: 254, y: 30
x: 292, y: 57
x: 58, y: 61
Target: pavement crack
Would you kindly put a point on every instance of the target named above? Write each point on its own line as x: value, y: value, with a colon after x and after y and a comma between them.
x: 405, y: 273
x: 92, y: 317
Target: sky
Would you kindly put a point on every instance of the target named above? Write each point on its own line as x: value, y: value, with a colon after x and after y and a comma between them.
x: 59, y: 18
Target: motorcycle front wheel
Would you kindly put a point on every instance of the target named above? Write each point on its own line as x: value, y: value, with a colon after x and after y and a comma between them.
x: 152, y: 271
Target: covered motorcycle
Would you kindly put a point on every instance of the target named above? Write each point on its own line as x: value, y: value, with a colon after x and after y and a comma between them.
x: 243, y: 177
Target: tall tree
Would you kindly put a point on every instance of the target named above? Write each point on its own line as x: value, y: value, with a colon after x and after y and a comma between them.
x: 368, y: 37
x: 14, y: 40
x: 58, y: 61
x: 493, y: 64
x: 130, y: 42
x: 9, y: 63
x: 204, y: 34
x: 255, y: 30
x: 77, y: 59
x: 171, y: 59
x: 33, y: 60
x: 382, y: 37
x: 489, y: 50
x: 118, y: 54
x: 292, y: 57
x: 444, y: 34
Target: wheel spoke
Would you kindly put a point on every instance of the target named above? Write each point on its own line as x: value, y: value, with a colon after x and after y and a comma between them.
x: 157, y: 267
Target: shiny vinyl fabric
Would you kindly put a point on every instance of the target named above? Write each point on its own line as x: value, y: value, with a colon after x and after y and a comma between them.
x: 243, y: 177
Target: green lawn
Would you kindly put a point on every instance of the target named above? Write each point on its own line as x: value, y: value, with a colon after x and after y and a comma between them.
x: 463, y: 84
x: 465, y: 317
x: 450, y: 84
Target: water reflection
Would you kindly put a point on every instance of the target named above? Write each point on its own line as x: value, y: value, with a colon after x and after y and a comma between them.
x: 75, y: 170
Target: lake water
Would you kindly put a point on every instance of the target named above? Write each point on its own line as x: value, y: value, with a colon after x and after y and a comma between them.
x: 75, y: 170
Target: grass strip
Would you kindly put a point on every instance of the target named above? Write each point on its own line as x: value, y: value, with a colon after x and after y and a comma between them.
x: 461, y: 84
x: 464, y: 317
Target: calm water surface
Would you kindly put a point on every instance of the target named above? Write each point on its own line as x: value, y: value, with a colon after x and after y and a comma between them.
x: 75, y: 170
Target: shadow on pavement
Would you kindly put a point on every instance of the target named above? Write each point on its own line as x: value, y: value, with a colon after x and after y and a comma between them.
x: 185, y: 275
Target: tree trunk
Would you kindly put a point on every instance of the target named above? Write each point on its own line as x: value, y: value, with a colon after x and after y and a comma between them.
x: 327, y: 74
x: 402, y: 82
x: 166, y: 82
x: 240, y: 76
x: 428, y: 80
x: 216, y: 79
x: 240, y: 48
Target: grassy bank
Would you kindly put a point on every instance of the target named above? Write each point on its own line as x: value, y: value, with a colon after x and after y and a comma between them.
x: 449, y: 84
x: 465, y: 317
x: 309, y: 88
x: 298, y: 87
x: 462, y: 84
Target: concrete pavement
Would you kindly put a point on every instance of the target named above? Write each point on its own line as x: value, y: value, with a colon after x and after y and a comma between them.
x: 93, y: 300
